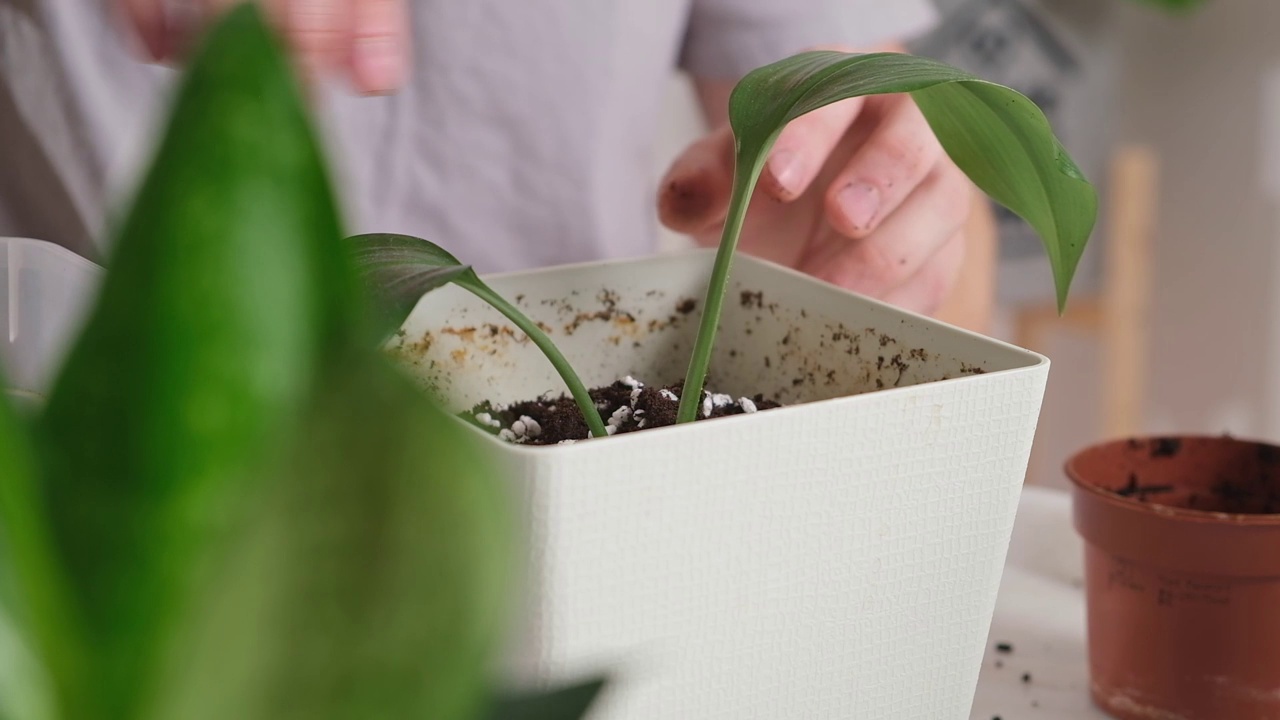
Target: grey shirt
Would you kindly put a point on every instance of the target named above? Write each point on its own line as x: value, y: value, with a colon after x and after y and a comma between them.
x: 524, y: 136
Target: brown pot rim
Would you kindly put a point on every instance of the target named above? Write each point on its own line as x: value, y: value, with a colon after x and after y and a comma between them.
x: 1179, y: 539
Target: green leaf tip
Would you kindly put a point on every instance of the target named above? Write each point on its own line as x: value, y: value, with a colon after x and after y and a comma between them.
x: 400, y: 269
x: 567, y: 703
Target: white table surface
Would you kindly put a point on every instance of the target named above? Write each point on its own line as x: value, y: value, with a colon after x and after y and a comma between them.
x: 1040, y: 613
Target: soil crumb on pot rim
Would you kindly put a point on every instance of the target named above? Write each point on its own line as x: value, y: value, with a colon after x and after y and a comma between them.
x: 628, y: 405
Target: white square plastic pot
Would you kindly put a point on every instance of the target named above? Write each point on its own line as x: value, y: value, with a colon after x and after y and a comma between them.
x: 44, y: 293
x: 835, y: 558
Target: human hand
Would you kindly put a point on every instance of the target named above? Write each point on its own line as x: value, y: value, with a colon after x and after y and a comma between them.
x: 367, y: 41
x: 858, y: 193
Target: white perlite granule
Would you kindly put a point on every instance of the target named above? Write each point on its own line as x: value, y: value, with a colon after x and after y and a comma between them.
x: 636, y: 387
x: 526, y: 427
x: 618, y: 417
x: 526, y: 430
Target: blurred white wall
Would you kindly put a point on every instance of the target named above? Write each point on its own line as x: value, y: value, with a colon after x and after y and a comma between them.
x: 1196, y: 89
x: 1204, y: 92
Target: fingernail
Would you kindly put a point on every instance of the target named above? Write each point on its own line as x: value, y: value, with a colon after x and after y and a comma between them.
x: 377, y: 64
x: 785, y: 167
x: 860, y: 203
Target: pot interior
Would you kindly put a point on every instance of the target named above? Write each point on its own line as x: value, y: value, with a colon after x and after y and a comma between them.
x: 1208, y: 474
x: 783, y: 335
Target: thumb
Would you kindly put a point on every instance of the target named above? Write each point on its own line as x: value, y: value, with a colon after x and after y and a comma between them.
x: 694, y: 194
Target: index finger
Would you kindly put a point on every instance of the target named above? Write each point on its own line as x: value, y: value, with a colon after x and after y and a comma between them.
x: 318, y: 31
x: 804, y: 146
x: 379, y: 59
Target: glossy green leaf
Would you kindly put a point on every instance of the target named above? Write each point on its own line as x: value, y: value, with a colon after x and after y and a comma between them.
x: 35, y: 632
x: 398, y: 268
x: 226, y: 285
x: 26, y: 690
x: 998, y: 137
x: 568, y: 703
x: 1175, y: 5
x: 369, y: 577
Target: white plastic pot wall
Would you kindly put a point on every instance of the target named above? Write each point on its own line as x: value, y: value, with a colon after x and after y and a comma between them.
x: 837, y: 558
x: 45, y: 290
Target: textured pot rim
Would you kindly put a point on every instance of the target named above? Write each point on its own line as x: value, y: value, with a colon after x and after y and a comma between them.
x: 63, y: 254
x: 1034, y: 359
x: 1165, y: 512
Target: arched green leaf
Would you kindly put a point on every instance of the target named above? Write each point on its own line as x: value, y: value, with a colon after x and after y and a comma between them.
x: 399, y: 269
x: 565, y: 703
x: 997, y: 136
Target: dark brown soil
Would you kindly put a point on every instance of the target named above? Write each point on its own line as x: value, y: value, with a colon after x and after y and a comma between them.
x: 1250, y: 486
x: 1134, y: 489
x: 1166, y: 447
x: 627, y: 405
x: 1233, y: 497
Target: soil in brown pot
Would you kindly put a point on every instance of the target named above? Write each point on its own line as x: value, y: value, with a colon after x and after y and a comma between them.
x: 1247, y: 484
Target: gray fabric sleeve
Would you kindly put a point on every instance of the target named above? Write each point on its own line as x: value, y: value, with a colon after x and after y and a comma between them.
x: 725, y: 39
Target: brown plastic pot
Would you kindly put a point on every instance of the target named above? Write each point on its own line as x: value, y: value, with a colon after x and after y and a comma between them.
x: 1182, y: 576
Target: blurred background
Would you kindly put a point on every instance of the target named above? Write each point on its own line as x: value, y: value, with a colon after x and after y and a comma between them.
x: 1176, y: 117
x: 1174, y: 324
